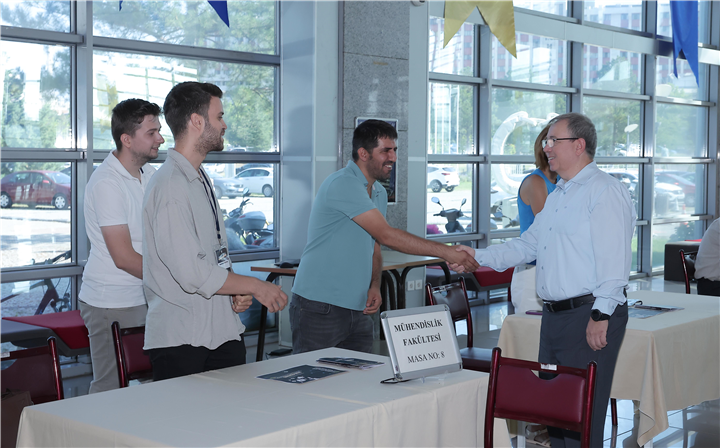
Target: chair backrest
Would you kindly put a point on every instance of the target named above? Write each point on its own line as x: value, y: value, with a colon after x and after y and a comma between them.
x: 132, y: 362
x: 36, y: 370
x: 688, y: 264
x: 454, y: 295
x: 515, y: 392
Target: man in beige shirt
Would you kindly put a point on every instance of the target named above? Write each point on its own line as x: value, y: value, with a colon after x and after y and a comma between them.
x: 193, y: 296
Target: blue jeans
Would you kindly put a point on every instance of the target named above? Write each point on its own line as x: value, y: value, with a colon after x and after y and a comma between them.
x: 318, y: 325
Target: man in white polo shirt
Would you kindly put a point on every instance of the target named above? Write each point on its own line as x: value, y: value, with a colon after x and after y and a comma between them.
x: 112, y: 288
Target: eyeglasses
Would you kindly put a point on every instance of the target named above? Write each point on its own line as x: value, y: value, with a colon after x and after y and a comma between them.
x: 551, y: 141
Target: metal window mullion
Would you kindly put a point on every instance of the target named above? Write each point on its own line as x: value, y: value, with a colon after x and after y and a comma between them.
x: 484, y: 132
x: 616, y: 95
x: 545, y: 88
x: 35, y: 36
x: 576, y: 76
x: 456, y: 79
x: 681, y: 101
x: 30, y: 273
x: 445, y: 158
x: 183, y: 51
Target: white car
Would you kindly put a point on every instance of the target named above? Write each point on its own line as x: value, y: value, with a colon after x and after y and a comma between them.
x: 257, y: 180
x: 439, y: 177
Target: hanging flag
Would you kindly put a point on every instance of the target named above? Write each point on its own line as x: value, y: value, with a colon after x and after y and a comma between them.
x: 684, y: 16
x: 221, y: 9
x: 499, y: 16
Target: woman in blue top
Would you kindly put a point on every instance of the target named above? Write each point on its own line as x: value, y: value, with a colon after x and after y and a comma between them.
x: 534, y: 189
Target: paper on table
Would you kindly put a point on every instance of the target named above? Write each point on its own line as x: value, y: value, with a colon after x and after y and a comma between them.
x: 301, y: 374
x: 355, y: 363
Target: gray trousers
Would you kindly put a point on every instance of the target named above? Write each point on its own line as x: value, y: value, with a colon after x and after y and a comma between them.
x: 102, y: 352
x: 563, y: 342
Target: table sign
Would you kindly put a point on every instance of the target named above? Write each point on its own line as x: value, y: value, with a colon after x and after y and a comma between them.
x: 421, y: 342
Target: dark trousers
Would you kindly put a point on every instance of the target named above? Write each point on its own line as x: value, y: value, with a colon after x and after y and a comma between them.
x: 563, y: 342
x: 172, y: 362
x: 318, y: 325
x: 707, y: 287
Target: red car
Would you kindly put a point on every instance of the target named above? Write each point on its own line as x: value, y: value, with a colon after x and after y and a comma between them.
x: 36, y: 188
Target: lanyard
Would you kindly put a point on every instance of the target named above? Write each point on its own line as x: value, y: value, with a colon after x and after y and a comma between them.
x: 213, y: 202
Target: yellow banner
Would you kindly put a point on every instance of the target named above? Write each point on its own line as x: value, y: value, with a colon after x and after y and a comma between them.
x: 499, y: 15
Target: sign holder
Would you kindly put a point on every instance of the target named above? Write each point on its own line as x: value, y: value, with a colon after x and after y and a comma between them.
x: 421, y: 342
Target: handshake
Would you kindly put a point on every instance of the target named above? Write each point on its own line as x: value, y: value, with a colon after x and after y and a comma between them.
x: 461, y: 258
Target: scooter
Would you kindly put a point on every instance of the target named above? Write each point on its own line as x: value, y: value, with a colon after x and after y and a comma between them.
x: 452, y: 215
x: 244, y: 228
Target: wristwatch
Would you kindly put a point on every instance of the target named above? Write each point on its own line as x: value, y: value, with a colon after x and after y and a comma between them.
x: 597, y: 316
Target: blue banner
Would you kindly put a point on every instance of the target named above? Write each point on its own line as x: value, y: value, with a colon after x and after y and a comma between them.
x: 220, y: 8
x: 684, y: 16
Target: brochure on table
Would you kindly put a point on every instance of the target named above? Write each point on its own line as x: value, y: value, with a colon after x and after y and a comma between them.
x: 421, y: 342
x: 301, y: 374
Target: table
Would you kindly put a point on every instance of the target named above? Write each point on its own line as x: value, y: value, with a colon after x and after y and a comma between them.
x: 232, y: 407
x: 392, y: 262
x: 666, y: 362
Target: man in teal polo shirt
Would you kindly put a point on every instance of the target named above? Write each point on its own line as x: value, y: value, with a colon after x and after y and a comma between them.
x: 337, y: 286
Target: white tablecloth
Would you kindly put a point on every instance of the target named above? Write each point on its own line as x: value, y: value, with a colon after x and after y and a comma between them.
x: 231, y: 407
x: 666, y: 362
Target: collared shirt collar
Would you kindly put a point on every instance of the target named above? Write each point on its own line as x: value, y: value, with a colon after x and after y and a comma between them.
x: 580, y: 178
x: 184, y: 164
x: 352, y: 166
x: 115, y: 163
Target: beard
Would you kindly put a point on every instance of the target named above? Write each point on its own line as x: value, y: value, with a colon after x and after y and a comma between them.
x: 377, y: 172
x: 211, y: 140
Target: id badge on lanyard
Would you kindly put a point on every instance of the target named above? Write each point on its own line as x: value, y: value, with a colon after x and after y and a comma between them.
x: 222, y: 256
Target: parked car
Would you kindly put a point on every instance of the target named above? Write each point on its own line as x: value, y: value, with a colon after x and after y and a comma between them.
x: 668, y: 197
x: 628, y: 179
x: 248, y: 166
x: 36, y: 188
x: 258, y: 180
x: 439, y: 177
x: 225, y: 186
x: 681, y: 181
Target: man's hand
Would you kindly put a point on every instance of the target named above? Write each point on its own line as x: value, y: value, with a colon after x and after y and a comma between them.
x: 373, y: 302
x: 241, y: 302
x: 270, y: 295
x: 596, y: 334
x: 463, y: 259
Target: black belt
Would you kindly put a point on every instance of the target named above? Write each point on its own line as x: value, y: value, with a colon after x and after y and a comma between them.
x: 568, y: 304
x: 574, y: 302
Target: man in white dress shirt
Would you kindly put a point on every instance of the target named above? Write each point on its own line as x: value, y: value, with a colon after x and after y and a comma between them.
x: 582, y: 242
x: 707, y: 264
x: 112, y: 287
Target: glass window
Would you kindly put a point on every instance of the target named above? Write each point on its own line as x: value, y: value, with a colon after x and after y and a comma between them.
x: 193, y: 23
x: 685, y: 86
x: 248, y: 99
x: 518, y: 116
x: 664, y: 25
x: 681, y: 131
x: 558, y: 7
x: 37, y: 15
x: 251, y: 317
x: 615, y: 13
x: 249, y: 215
x: 609, y: 69
x: 451, y: 129
x: 35, y: 96
x: 667, y: 233
x: 629, y: 176
x: 458, y: 57
x: 617, y: 123
x: 51, y: 295
x: 539, y: 59
x: 450, y: 184
x: 36, y: 201
x: 686, y: 177
x: 504, y: 187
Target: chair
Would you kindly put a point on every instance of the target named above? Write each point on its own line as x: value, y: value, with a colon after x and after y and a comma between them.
x: 455, y: 297
x: 132, y: 362
x: 36, y: 370
x: 515, y: 392
x: 688, y: 265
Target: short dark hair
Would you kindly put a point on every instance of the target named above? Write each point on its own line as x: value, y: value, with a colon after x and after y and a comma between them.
x: 185, y: 99
x: 128, y: 115
x: 541, y: 160
x: 368, y: 134
x: 580, y: 126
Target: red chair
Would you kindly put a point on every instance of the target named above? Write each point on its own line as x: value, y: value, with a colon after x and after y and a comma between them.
x: 516, y: 393
x: 67, y: 326
x: 455, y: 297
x: 36, y: 370
x: 132, y: 362
x: 688, y: 265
